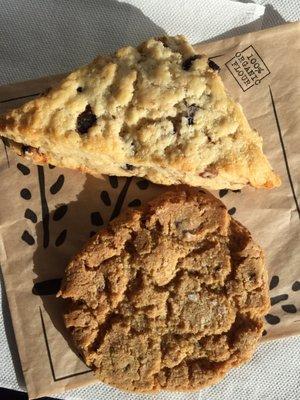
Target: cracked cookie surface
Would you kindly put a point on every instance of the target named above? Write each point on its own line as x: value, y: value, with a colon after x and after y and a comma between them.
x: 158, y: 111
x: 167, y: 297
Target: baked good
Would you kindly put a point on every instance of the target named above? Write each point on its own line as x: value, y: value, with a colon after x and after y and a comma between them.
x: 167, y: 297
x: 158, y: 111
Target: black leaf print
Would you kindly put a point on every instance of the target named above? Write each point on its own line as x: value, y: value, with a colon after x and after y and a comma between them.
x: 27, y: 238
x: 223, y: 192
x: 274, y: 282
x: 96, y: 218
x: 232, y: 211
x: 113, y: 180
x: 46, y: 288
x: 143, y: 184
x: 25, y: 170
x: 277, y: 299
x: 31, y: 215
x: 120, y: 199
x: 289, y: 308
x: 44, y: 206
x: 61, y: 238
x: 92, y: 233
x: 25, y: 194
x: 105, y: 198
x: 296, y: 286
x: 60, y: 212
x: 135, y: 203
x: 51, y: 166
x: 55, y: 188
x: 272, y: 319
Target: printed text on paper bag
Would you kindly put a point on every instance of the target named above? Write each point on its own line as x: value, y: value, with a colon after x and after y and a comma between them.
x: 247, y: 68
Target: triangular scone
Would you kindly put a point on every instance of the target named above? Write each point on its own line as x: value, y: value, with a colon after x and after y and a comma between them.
x: 158, y: 111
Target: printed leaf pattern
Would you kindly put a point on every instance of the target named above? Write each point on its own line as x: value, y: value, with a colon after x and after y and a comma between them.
x: 224, y: 192
x: 56, y: 187
x: 31, y: 215
x: 61, y: 238
x: 289, y: 308
x: 105, y: 198
x: 46, y: 288
x: 25, y: 194
x: 278, y: 299
x: 271, y: 318
x: 25, y: 170
x: 113, y: 180
x: 60, y: 212
x: 135, y: 203
x: 232, y: 211
x: 96, y: 218
x: 296, y: 286
x: 274, y: 282
x: 142, y: 184
x: 27, y: 238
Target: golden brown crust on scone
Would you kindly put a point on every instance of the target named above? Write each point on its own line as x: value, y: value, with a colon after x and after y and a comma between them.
x: 159, y: 111
x: 168, y: 297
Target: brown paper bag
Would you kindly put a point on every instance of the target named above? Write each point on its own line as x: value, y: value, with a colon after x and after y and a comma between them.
x: 47, y: 213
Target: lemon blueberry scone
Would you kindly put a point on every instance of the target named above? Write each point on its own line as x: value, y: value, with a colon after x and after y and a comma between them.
x: 159, y: 111
x: 168, y: 297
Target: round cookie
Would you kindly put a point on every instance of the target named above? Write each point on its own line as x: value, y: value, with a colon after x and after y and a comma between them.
x: 167, y: 297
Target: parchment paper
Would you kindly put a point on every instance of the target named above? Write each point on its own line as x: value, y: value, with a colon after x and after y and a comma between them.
x: 46, y: 214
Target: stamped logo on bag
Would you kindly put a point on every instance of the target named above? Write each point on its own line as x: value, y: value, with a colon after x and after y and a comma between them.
x: 247, y: 68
